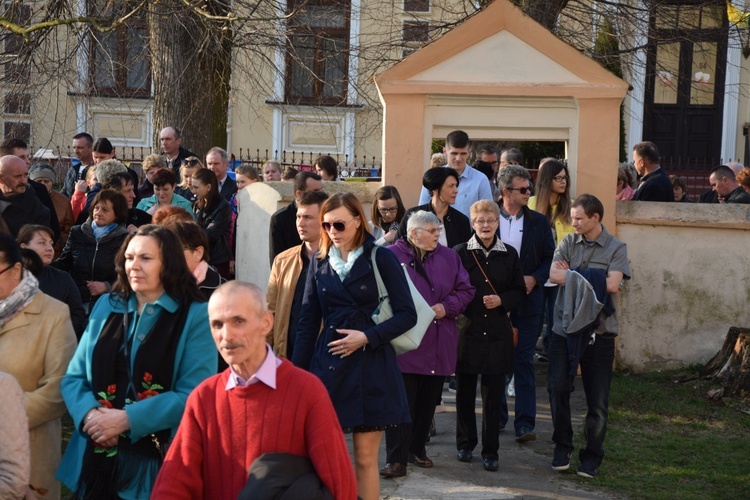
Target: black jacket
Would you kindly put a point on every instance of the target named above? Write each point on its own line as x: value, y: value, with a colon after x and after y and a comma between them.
x: 23, y: 209
x: 177, y: 162
x: 457, y: 225
x: 655, y: 186
x: 739, y: 195
x: 59, y: 285
x: 41, y: 192
x: 487, y: 345
x: 537, y: 250
x: 210, y: 283
x: 283, y: 230
x: 228, y: 188
x: 282, y: 476
x: 217, y: 222
x: 87, y: 259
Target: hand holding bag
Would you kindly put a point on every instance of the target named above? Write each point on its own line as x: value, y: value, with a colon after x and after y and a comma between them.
x: 409, y: 340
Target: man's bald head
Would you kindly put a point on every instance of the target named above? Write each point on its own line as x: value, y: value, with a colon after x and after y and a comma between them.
x: 14, y: 175
x: 736, y: 167
x: 256, y: 297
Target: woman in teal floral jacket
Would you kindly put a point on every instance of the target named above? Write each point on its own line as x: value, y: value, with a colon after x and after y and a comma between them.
x: 127, y: 395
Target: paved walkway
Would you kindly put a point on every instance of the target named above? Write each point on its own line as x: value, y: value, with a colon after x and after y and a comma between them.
x: 525, y: 470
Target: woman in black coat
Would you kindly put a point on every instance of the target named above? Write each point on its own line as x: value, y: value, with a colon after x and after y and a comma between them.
x: 89, y: 253
x: 486, y: 347
x: 57, y: 284
x: 442, y: 184
x: 214, y: 215
x: 352, y: 355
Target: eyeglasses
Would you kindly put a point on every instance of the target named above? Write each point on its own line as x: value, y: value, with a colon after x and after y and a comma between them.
x: 483, y: 222
x: 191, y: 161
x: 522, y: 190
x: 338, y: 226
x: 561, y: 178
x: 388, y: 210
x: 433, y: 231
x: 7, y: 268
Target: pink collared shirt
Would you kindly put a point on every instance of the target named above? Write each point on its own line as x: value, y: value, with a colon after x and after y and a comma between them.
x: 266, y: 373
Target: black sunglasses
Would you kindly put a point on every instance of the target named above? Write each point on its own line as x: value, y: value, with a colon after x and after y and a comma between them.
x: 338, y: 226
x: 522, y: 190
x: 191, y: 161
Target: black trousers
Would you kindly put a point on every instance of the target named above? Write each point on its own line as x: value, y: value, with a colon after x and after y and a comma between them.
x: 493, y: 386
x: 421, y: 393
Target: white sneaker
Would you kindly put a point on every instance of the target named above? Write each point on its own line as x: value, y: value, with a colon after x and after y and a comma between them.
x: 510, y: 391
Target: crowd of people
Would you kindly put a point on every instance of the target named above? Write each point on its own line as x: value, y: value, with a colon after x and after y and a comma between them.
x: 116, y: 294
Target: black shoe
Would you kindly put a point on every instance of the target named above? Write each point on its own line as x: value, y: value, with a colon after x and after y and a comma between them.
x: 587, y: 470
x: 464, y: 455
x: 490, y: 464
x: 524, y: 434
x: 561, y: 460
x: 393, y: 470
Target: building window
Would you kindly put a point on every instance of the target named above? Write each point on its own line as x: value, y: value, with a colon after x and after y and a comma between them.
x: 317, y: 52
x: 15, y: 50
x: 416, y: 5
x: 19, y: 130
x: 416, y: 32
x: 17, y: 103
x: 119, y: 59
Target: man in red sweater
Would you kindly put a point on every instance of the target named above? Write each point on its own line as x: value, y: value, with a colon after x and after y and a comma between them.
x: 261, y: 404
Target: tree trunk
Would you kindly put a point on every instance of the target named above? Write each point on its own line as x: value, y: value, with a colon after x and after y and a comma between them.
x: 545, y: 12
x: 190, y: 68
x: 731, y: 365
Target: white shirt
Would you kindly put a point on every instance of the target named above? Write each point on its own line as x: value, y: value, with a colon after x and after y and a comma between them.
x: 511, y: 229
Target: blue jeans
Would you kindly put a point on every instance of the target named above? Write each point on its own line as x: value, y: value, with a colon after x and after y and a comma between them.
x: 523, y: 374
x: 596, y: 374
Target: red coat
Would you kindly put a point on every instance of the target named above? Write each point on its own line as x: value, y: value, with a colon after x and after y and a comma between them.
x: 222, y: 432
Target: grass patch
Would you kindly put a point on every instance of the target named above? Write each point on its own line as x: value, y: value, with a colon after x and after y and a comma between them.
x: 667, y: 440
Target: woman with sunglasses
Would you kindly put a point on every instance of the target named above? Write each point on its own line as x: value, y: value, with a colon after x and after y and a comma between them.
x: 442, y: 184
x: 553, y: 200
x: 188, y: 167
x: 352, y: 355
x: 387, y: 212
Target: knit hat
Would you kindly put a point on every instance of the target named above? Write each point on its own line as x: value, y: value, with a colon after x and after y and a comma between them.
x: 42, y: 171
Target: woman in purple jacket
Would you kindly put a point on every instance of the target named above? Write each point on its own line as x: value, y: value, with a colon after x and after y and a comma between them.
x: 440, y: 277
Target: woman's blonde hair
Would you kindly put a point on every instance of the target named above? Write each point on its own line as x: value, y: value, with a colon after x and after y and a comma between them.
x: 153, y: 161
x: 184, y: 181
x: 484, y: 206
x: 354, y: 207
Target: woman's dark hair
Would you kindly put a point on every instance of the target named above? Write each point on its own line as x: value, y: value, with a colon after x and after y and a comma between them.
x: 386, y: 193
x: 354, y: 207
x: 179, y: 283
x: 678, y: 181
x: 435, y: 177
x: 213, y: 197
x: 191, y: 235
x: 289, y: 174
x: 28, y: 231
x: 329, y: 165
x: 32, y: 262
x: 118, y: 201
x: 102, y: 145
x: 547, y: 172
x: 10, y: 249
x: 4, y: 227
x: 164, y: 176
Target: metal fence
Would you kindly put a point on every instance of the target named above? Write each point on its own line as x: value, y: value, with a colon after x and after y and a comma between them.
x: 356, y: 166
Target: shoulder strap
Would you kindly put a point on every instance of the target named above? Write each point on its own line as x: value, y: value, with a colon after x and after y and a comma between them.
x: 382, y: 291
x: 483, y: 273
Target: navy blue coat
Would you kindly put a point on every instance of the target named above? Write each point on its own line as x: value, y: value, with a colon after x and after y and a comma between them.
x: 537, y: 250
x: 655, y: 186
x: 366, y: 387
